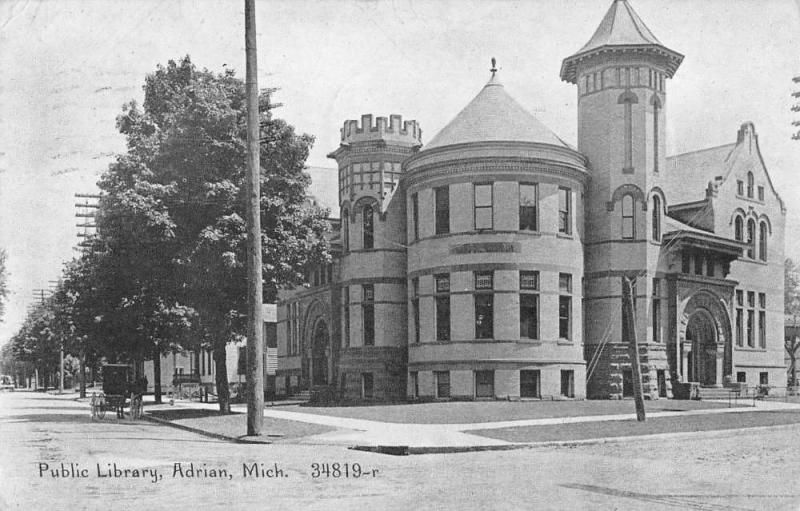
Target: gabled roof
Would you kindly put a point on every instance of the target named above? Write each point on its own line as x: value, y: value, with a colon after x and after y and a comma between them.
x: 621, y: 28
x: 493, y: 115
x: 689, y: 173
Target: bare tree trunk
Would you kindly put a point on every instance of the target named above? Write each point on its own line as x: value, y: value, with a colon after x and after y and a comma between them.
x: 83, y: 372
x: 157, y: 373
x: 220, y: 363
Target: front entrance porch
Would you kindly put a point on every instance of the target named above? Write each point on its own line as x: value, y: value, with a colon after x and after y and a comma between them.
x: 701, y: 355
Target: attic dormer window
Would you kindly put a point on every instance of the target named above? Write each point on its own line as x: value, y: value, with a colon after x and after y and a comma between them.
x: 761, y: 193
x: 750, y: 180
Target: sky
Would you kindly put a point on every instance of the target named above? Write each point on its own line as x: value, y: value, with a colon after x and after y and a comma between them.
x: 68, y: 67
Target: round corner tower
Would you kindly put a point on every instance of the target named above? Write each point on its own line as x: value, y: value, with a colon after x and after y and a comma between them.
x: 621, y: 76
x: 372, y: 363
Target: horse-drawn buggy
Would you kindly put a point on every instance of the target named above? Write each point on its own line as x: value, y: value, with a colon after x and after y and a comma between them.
x: 120, y: 390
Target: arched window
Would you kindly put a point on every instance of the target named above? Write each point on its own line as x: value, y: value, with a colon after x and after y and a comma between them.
x: 738, y: 229
x: 656, y: 218
x: 345, y: 230
x: 762, y: 241
x: 751, y: 238
x: 750, y: 185
x: 627, y: 217
x: 368, y: 227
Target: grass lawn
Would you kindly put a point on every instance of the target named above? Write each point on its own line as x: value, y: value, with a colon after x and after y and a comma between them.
x: 235, y: 424
x: 465, y: 412
x: 690, y: 423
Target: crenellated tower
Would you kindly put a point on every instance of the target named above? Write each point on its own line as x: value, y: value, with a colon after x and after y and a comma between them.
x: 621, y: 76
x: 373, y: 279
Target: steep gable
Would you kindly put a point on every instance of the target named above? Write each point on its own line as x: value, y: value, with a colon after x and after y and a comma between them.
x: 743, y: 159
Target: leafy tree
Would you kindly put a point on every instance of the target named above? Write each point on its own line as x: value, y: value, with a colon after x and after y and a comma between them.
x: 38, y: 343
x: 791, y: 288
x: 173, y: 208
x: 791, y: 304
x: 3, y: 284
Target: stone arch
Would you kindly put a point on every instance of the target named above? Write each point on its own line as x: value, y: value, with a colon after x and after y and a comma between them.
x: 737, y: 212
x: 656, y: 190
x: 656, y: 101
x: 765, y: 219
x: 704, y: 338
x: 359, y: 204
x: 316, y: 309
x: 318, y: 312
x: 628, y: 97
x: 626, y: 189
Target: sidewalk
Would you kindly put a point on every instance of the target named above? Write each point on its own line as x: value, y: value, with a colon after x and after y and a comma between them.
x: 421, y: 438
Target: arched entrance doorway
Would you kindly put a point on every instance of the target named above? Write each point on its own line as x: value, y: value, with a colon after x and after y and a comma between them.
x: 701, y: 337
x: 704, y: 333
x: 319, y: 354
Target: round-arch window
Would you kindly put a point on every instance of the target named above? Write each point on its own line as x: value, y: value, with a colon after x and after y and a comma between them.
x: 627, y: 217
x: 738, y: 229
x: 368, y: 227
x: 656, y: 218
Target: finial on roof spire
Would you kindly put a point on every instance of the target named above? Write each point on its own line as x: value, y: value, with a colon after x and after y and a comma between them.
x: 494, y: 67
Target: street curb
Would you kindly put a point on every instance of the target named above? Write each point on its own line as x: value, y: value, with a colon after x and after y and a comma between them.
x: 405, y: 450
x: 217, y: 436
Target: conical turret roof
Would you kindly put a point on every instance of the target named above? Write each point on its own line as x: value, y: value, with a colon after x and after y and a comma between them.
x: 621, y: 28
x: 493, y: 116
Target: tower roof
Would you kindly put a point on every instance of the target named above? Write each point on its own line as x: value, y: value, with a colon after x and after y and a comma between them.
x: 493, y: 116
x: 621, y: 29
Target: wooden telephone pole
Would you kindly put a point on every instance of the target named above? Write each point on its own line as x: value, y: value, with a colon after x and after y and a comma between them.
x: 629, y: 316
x: 88, y: 211
x: 255, y: 313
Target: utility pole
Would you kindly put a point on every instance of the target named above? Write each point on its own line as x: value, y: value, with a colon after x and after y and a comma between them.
x: 40, y: 294
x: 255, y: 314
x: 87, y: 210
x: 796, y: 108
x: 629, y: 316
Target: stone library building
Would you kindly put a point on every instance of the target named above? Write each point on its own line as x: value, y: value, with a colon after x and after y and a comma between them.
x: 488, y: 262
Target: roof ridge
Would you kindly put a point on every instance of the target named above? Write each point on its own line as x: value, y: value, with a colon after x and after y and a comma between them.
x: 636, y: 21
x: 702, y: 150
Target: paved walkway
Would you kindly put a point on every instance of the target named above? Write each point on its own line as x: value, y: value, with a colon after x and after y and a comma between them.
x: 374, y: 433
x: 362, y: 432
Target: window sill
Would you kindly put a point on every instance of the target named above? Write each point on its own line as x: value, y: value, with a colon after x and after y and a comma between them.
x: 750, y: 199
x: 750, y: 350
x: 565, y: 342
x: 752, y: 260
x: 565, y: 235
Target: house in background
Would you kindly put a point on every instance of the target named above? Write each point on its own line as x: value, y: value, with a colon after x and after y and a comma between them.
x: 198, y: 367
